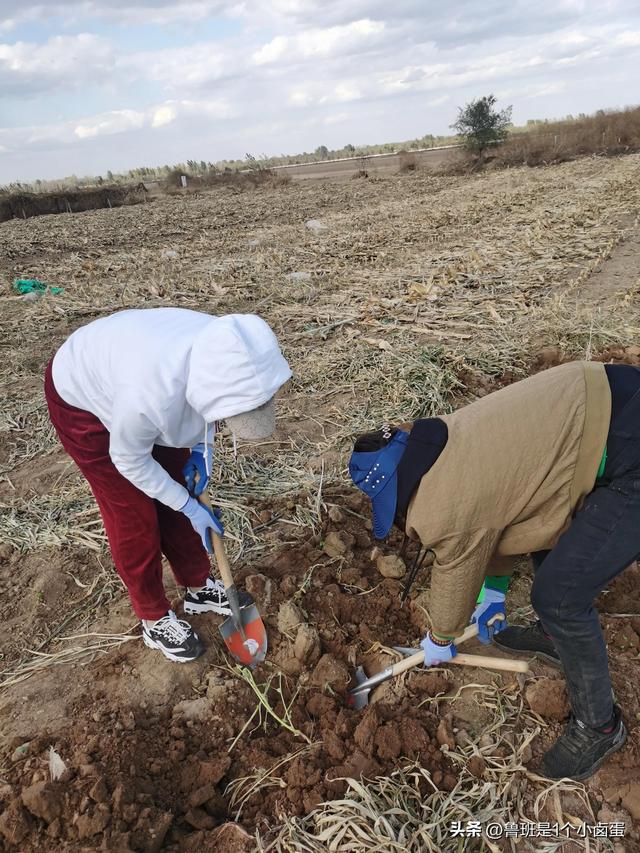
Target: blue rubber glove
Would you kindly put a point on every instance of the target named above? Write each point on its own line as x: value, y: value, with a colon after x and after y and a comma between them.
x: 196, y: 468
x: 492, y: 605
x: 203, y: 520
x: 434, y: 653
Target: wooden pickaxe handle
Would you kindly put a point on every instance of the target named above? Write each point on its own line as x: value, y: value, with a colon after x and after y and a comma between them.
x: 487, y: 662
x: 484, y: 661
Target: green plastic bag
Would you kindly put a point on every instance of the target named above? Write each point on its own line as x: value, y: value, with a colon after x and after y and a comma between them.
x: 34, y: 285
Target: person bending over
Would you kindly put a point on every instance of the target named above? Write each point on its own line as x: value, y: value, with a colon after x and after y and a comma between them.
x: 549, y: 466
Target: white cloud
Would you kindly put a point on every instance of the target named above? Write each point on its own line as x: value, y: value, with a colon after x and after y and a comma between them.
x: 163, y: 115
x: 75, y: 60
x: 121, y: 121
x: 117, y: 121
x: 628, y: 39
x: 319, y: 94
x: 321, y: 43
x: 336, y: 118
x: 148, y: 12
x: 181, y: 70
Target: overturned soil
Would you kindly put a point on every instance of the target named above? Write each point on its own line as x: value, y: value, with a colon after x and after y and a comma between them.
x: 154, y: 751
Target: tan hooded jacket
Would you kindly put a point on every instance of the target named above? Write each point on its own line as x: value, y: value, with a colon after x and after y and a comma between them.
x: 516, y: 466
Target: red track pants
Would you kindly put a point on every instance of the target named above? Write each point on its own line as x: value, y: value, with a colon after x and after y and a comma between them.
x: 139, y: 529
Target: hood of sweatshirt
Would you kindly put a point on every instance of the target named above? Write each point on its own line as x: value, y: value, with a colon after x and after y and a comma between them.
x: 235, y: 366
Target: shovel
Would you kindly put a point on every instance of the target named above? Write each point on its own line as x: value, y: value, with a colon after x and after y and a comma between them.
x: 243, y: 632
x: 359, y: 695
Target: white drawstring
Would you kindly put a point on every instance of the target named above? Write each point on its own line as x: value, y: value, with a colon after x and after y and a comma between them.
x: 172, y: 627
x: 213, y: 427
x: 206, y: 449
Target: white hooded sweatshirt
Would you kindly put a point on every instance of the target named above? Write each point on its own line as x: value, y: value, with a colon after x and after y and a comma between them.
x: 165, y: 376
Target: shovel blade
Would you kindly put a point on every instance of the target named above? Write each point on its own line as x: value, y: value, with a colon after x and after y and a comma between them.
x: 250, y: 649
x: 359, y: 699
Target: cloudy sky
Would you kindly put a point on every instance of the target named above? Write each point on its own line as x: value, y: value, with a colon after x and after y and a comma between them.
x: 92, y: 85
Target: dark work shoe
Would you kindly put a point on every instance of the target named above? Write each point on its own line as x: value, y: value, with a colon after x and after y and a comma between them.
x: 580, y: 750
x: 174, y: 637
x: 212, y: 598
x: 516, y: 640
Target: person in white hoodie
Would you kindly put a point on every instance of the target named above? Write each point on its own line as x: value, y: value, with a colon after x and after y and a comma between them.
x: 135, y: 399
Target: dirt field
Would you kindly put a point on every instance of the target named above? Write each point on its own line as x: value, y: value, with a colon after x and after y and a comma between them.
x: 410, y: 295
x: 378, y: 166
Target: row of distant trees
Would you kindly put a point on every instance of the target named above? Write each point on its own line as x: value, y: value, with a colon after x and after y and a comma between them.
x: 478, y: 126
x: 201, y: 168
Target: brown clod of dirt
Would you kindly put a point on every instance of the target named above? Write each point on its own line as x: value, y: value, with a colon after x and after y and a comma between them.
x: 259, y: 587
x: 415, y: 740
x: 366, y: 729
x: 334, y: 746
x: 202, y: 795
x: 358, y: 765
x: 211, y: 772
x: 44, y: 800
x: 476, y: 766
x: 391, y: 566
x: 335, y: 544
x: 631, y: 800
x: 449, y: 782
x: 320, y: 706
x: 99, y: 792
x: 93, y: 821
x: 330, y: 672
x: 548, y: 698
x: 388, y: 742
x: 289, y: 617
x: 193, y: 709
x: 230, y: 838
x: 444, y: 733
x: 157, y: 831
x: 199, y: 819
x: 430, y: 683
x: 307, y: 645
x: 336, y: 515
x: 14, y: 823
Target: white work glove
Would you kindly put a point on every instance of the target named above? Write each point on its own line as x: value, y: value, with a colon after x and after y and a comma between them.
x: 435, y: 652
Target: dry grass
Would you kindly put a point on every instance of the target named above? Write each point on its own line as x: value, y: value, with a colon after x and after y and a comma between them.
x: 408, y: 813
x: 606, y: 133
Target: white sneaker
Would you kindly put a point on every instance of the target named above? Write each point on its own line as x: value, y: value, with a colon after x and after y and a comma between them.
x: 212, y: 599
x: 174, y: 637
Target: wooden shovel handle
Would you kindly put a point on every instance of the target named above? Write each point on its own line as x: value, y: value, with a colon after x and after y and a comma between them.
x: 218, y: 549
x: 222, y: 561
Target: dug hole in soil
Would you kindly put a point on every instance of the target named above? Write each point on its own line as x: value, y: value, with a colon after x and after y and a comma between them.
x: 147, y: 743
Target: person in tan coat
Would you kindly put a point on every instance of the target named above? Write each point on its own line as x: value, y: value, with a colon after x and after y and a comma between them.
x: 548, y: 466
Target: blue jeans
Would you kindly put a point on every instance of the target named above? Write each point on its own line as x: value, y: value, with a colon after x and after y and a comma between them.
x: 603, y: 539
